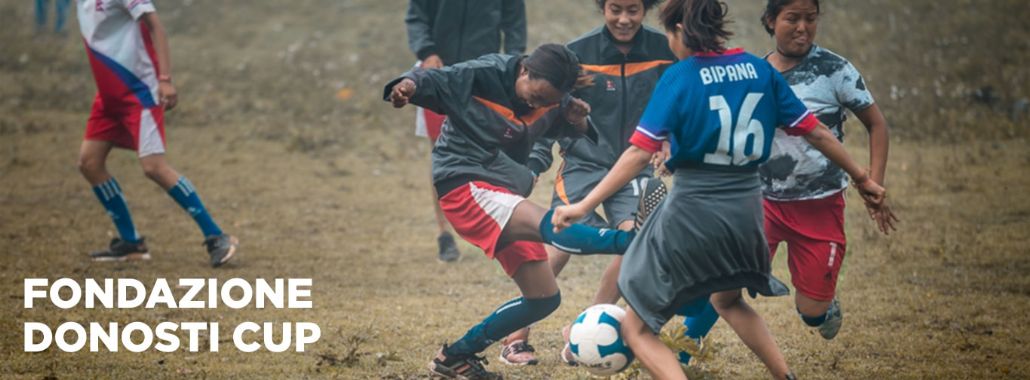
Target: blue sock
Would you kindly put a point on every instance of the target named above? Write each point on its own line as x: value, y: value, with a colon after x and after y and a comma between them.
x: 186, y: 196
x: 813, y: 321
x: 701, y: 316
x: 110, y: 195
x: 508, y: 318
x: 581, y: 239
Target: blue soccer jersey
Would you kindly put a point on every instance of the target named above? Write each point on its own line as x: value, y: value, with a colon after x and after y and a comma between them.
x: 719, y: 111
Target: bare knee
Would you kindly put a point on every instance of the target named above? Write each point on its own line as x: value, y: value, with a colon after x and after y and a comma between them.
x: 158, y: 170
x: 92, y: 168
x: 725, y: 300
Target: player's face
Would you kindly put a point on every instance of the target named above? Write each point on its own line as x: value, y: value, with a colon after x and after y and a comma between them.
x: 794, y: 28
x: 623, y: 18
x: 536, y: 93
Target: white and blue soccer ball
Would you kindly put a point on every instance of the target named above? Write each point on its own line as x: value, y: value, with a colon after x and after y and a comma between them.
x: 596, y: 343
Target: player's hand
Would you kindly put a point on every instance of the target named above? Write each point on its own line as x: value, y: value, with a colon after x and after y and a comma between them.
x: 883, y: 216
x: 576, y: 112
x: 432, y: 62
x: 167, y: 95
x: 564, y: 216
x: 659, y: 158
x: 402, y: 92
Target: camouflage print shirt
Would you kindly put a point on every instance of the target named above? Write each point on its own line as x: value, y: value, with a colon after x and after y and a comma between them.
x: 828, y: 85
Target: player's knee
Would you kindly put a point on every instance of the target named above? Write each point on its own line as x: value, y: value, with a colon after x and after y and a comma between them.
x: 90, y: 166
x: 542, y: 307
x: 725, y: 300
x: 154, y: 170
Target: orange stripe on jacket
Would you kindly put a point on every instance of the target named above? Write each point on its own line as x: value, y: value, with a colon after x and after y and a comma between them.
x: 631, y: 68
x: 510, y: 116
x: 559, y: 184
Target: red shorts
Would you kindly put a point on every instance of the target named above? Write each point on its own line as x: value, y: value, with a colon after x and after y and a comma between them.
x: 127, y: 125
x: 814, y: 232
x: 478, y: 211
x: 428, y: 123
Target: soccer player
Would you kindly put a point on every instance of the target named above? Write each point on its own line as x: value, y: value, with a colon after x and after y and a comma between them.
x: 497, y: 106
x: 626, y: 59
x: 445, y: 32
x: 803, y: 190
x: 719, y: 109
x: 128, y: 52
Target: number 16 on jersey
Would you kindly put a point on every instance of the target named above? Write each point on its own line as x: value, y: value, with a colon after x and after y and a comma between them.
x: 743, y: 144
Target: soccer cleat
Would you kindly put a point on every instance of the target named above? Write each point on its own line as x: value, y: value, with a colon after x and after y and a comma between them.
x: 654, y: 191
x: 464, y: 368
x: 565, y: 355
x: 448, y: 249
x: 121, y: 250
x: 221, y: 248
x: 834, y: 318
x: 519, y: 352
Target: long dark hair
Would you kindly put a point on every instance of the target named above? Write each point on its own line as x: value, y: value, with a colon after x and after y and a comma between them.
x: 554, y: 63
x: 773, y: 9
x: 704, y: 23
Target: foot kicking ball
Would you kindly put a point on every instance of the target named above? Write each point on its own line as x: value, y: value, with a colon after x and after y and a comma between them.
x: 596, y: 343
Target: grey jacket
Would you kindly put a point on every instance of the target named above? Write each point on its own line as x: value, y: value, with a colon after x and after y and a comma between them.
x: 460, y: 30
x: 488, y: 133
x: 623, y: 84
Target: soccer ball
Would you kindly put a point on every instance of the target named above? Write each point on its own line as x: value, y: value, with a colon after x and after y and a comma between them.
x: 596, y: 343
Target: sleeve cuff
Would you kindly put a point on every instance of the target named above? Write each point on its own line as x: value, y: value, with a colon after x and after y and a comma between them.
x: 645, y: 142
x: 804, y: 126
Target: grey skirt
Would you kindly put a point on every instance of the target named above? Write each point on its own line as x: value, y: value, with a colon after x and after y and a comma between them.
x: 707, y: 236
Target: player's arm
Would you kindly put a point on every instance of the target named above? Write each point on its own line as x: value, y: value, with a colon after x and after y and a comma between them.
x: 513, y: 25
x: 879, y: 141
x: 165, y: 89
x: 419, y: 22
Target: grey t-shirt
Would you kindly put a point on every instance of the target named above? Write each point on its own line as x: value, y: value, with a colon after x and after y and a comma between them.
x: 827, y: 84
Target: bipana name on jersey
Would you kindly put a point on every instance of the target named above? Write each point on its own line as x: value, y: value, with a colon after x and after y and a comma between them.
x: 728, y: 73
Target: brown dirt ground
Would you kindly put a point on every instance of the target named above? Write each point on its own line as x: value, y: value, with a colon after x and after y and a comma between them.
x: 336, y: 190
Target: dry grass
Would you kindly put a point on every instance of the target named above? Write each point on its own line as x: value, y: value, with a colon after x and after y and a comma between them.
x: 336, y: 191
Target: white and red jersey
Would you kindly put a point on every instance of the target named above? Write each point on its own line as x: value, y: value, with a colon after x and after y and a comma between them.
x: 120, y: 51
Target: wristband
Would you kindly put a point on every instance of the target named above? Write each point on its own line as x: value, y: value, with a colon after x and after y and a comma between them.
x: 164, y: 78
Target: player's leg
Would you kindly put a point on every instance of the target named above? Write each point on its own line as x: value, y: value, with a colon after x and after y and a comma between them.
x: 751, y: 329
x: 428, y: 125
x: 649, y: 349
x: 533, y: 223
x: 61, y: 7
x: 814, y: 268
x: 92, y: 164
x: 104, y: 132
x: 147, y: 126
x: 40, y: 15
x: 816, y: 250
x: 540, y: 297
x: 699, y: 320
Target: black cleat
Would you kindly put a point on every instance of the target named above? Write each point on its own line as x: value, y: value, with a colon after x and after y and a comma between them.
x: 464, y: 368
x: 654, y: 191
x: 448, y: 248
x: 121, y: 250
x: 221, y: 248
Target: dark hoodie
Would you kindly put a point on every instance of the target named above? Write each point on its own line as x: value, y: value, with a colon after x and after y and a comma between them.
x: 460, y: 30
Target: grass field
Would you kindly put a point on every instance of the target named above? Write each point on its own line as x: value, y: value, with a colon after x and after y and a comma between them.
x: 281, y: 127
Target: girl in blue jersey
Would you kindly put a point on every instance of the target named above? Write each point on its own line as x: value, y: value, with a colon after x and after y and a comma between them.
x: 719, y: 110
